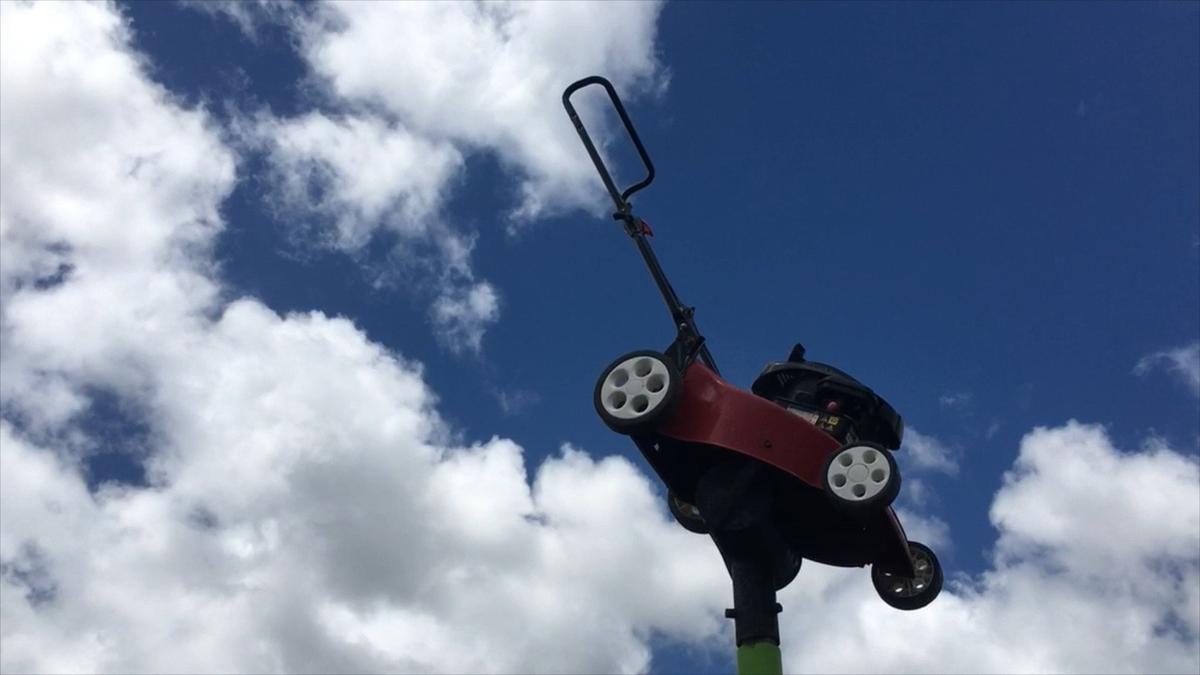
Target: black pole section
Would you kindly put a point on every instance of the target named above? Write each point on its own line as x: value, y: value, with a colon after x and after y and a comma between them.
x: 736, y: 502
x: 755, y: 612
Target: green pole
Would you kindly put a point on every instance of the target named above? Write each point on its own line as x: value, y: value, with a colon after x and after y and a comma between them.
x: 759, y: 658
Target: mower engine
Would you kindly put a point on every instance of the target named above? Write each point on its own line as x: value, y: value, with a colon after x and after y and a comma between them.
x: 830, y: 399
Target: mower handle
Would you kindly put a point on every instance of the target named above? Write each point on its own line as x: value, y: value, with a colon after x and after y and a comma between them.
x: 688, y: 343
x: 620, y: 198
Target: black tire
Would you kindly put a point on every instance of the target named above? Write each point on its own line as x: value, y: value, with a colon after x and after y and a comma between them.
x: 909, y: 594
x: 657, y: 389
x: 874, y: 461
x: 686, y: 514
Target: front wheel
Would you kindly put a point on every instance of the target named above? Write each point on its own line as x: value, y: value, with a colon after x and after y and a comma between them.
x: 635, y: 391
x: 911, y: 593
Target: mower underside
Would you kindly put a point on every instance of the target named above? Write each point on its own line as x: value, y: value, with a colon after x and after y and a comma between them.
x: 734, y: 490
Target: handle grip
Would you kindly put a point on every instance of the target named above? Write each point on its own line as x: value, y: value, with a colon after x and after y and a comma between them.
x: 619, y: 197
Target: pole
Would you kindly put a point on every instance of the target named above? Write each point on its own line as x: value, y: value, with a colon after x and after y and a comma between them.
x: 759, y: 658
x: 749, y: 559
x: 755, y: 612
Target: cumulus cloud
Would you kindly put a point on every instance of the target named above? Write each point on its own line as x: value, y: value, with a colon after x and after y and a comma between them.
x: 386, y: 146
x: 248, y: 15
x: 339, y: 180
x: 306, y: 509
x: 928, y: 453
x: 342, y: 182
x: 346, y: 559
x: 488, y: 76
x: 111, y: 197
x: 1182, y: 362
x: 377, y: 552
x: 1096, y: 569
x: 461, y: 315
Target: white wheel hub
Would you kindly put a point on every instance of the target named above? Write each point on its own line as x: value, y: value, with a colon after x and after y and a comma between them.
x: 859, y: 473
x: 635, y: 387
x: 907, y: 588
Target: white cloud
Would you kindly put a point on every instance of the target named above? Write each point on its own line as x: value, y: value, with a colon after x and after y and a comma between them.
x: 110, y: 203
x: 461, y: 315
x: 307, y: 509
x: 515, y: 401
x: 959, y: 400
x: 391, y: 555
x: 1182, y: 362
x: 1096, y: 569
x: 488, y: 76
x: 928, y: 453
x: 342, y: 531
x: 352, y: 176
x: 248, y: 15
x: 388, y: 146
x: 341, y: 182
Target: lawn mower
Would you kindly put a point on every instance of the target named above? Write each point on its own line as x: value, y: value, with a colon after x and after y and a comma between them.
x: 798, y: 467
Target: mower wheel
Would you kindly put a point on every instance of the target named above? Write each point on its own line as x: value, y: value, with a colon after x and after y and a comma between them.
x: 636, y: 390
x: 686, y: 514
x: 861, y: 477
x: 905, y: 593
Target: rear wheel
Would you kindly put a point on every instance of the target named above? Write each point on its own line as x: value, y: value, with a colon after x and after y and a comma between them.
x: 635, y: 391
x: 908, y: 593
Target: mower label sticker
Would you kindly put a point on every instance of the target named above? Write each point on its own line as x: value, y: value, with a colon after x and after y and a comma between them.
x: 829, y: 422
x: 811, y: 417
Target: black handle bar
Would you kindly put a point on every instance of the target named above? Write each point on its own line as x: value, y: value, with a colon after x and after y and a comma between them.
x: 620, y: 198
x: 688, y: 342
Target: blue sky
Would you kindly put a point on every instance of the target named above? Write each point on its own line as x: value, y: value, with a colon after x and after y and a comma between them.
x: 987, y: 212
